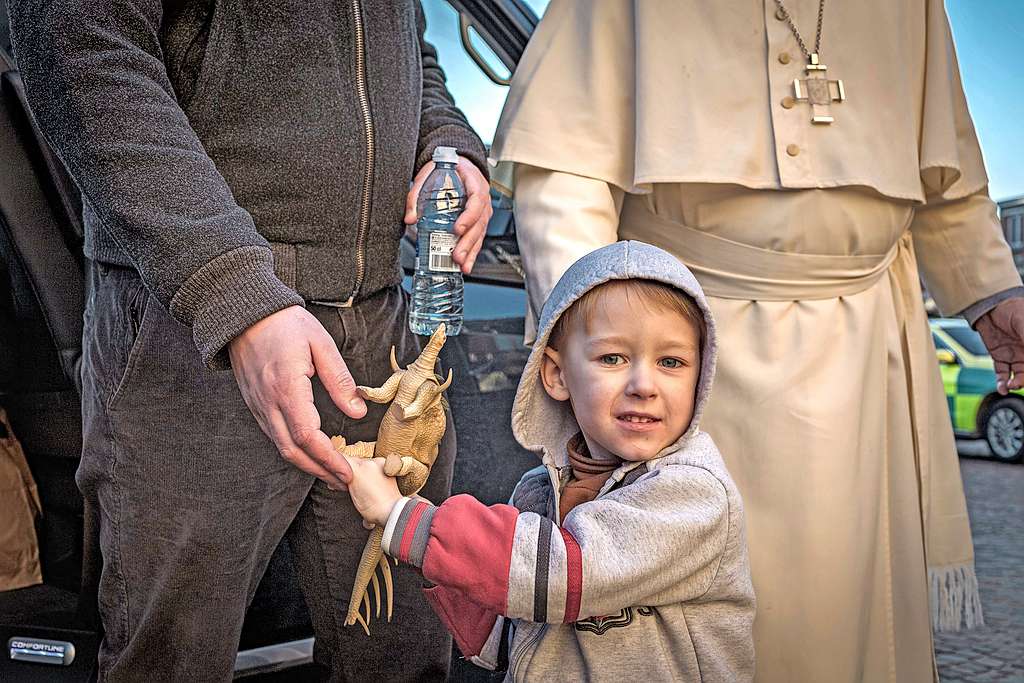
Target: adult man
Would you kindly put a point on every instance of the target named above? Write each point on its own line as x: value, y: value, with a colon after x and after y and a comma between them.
x: 799, y: 197
x: 239, y: 160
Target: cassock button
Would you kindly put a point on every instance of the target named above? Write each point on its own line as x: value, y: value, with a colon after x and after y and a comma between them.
x: 784, y: 58
x: 788, y: 102
x: 792, y: 150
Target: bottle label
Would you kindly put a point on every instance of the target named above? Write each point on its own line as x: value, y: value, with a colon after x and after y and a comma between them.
x: 440, y: 256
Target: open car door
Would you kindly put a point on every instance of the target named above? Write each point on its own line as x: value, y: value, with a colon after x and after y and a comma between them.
x: 41, y: 303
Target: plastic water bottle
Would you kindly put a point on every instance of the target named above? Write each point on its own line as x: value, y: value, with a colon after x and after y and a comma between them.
x: 437, y: 284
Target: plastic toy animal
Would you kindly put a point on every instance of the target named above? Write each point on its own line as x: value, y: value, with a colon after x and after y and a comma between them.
x: 407, y: 438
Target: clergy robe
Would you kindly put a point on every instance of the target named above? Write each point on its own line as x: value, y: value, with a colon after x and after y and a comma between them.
x: 671, y: 122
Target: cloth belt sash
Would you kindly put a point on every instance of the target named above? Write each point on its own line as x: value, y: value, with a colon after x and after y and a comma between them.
x: 732, y: 270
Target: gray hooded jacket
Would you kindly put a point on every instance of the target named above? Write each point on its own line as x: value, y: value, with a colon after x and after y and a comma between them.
x: 650, y: 580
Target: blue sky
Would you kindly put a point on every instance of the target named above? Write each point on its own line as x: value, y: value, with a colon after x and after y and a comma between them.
x: 989, y: 36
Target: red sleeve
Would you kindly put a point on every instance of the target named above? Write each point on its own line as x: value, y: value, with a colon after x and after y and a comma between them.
x: 469, y: 623
x: 463, y: 545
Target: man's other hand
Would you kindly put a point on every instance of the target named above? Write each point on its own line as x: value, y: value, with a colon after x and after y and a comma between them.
x: 472, y: 224
x: 1002, y: 330
x: 274, y: 361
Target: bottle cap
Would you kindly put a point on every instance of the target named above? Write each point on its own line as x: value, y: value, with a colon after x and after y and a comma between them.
x: 448, y: 155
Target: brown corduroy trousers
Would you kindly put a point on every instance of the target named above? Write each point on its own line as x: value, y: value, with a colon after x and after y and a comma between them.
x: 193, y: 498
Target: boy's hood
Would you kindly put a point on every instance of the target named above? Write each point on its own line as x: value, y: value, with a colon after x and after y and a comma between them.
x: 539, y: 422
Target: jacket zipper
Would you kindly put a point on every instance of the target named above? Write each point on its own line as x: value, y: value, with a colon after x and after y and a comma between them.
x: 516, y: 658
x: 368, y: 137
x: 555, y: 478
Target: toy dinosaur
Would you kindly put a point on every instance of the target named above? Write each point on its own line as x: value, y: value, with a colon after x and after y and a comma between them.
x: 407, y: 438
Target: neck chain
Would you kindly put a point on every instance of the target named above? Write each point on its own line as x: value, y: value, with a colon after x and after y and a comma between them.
x: 796, y: 33
x: 817, y: 90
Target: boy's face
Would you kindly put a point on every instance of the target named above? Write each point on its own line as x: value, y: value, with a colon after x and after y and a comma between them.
x: 631, y: 378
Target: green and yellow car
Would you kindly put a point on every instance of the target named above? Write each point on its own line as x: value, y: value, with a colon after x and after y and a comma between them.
x: 975, y: 407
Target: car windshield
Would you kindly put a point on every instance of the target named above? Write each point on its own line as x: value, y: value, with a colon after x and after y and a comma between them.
x: 969, y: 339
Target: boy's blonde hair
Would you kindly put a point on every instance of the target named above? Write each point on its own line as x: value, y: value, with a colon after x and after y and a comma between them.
x: 649, y: 293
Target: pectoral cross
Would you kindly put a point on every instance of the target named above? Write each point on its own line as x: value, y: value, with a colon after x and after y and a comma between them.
x: 818, y: 90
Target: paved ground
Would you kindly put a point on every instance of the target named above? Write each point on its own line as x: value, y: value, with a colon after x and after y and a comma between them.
x: 995, y: 499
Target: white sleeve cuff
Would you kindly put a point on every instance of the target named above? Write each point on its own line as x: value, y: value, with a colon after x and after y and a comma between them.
x: 389, y: 528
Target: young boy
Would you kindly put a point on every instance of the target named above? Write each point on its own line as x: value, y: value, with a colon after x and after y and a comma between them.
x: 624, y: 556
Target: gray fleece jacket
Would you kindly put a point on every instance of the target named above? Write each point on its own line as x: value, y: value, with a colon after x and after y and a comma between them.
x: 649, y: 581
x: 242, y: 156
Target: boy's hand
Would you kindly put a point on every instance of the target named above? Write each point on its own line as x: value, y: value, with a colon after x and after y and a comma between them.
x: 373, y: 493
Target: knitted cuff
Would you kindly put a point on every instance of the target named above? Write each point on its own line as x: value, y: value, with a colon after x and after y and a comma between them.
x: 408, y: 530
x: 228, y: 295
x: 459, y: 137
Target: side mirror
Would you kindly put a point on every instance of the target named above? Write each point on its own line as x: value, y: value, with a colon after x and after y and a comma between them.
x: 946, y: 357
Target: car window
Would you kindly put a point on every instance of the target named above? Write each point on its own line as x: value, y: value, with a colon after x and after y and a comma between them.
x: 967, y: 338
x: 538, y: 6
x: 478, y: 98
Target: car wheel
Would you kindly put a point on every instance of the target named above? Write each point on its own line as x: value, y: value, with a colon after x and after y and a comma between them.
x: 1004, y: 429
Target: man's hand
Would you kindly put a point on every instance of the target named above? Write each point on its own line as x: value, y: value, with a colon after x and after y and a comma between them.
x: 472, y: 224
x: 273, y: 362
x: 1002, y: 330
x: 373, y: 493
